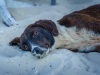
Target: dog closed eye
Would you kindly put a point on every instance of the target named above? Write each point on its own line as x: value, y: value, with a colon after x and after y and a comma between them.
x: 25, y: 47
x: 34, y: 34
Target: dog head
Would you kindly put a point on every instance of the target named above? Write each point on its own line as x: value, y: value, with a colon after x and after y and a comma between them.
x: 38, y: 37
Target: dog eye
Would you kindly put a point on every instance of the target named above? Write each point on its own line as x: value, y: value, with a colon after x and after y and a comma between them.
x: 35, y: 33
x: 25, y: 47
x: 47, y: 45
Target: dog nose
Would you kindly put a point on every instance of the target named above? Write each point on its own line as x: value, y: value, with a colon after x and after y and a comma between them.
x: 38, y: 50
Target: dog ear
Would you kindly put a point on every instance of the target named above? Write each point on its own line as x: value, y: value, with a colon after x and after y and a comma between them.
x: 48, y: 25
x: 66, y: 21
x: 15, y: 41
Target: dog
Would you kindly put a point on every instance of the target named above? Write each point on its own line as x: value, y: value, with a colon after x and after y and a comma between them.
x: 78, y: 32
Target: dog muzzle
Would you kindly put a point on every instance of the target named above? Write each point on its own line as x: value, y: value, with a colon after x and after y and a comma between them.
x: 39, y: 51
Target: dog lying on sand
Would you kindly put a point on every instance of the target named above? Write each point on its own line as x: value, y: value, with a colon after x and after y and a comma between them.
x: 78, y: 32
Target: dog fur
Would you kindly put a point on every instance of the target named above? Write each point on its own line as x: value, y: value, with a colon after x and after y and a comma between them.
x: 81, y: 29
x: 78, y: 31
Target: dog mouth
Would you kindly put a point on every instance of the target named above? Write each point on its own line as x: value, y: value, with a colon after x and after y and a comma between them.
x: 39, y: 52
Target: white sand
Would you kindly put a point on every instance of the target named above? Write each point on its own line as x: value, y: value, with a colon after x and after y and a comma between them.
x: 14, y: 61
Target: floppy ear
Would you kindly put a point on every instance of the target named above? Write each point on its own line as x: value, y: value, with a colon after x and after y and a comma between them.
x: 66, y: 21
x: 48, y: 25
x: 15, y: 41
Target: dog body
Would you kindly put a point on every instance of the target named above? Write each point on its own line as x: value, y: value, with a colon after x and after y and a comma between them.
x: 76, y: 40
x: 83, y: 29
x: 78, y: 31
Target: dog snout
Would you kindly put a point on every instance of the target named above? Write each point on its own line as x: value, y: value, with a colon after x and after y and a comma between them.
x: 38, y: 50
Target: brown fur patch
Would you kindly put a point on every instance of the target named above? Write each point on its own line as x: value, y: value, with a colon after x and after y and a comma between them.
x: 49, y: 25
x: 15, y: 41
x: 88, y: 18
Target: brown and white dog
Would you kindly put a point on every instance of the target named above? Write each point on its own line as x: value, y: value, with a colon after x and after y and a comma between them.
x: 78, y: 31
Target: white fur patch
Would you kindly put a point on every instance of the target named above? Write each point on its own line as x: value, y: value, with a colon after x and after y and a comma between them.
x: 72, y: 38
x: 38, y: 55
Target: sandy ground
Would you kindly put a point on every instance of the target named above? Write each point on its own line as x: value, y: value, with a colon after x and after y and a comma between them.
x: 14, y: 61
